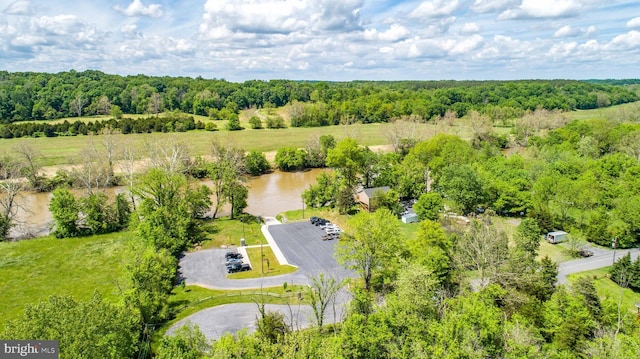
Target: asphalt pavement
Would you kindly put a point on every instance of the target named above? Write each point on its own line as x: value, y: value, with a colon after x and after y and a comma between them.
x: 601, y: 258
x: 299, y: 244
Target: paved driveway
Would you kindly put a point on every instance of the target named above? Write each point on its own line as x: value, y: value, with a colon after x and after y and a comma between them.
x: 301, y: 245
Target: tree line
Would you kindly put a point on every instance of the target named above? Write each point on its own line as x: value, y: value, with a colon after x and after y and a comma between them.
x: 40, y: 96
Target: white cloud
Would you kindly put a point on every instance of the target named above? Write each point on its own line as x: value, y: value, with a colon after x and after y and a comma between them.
x: 59, y: 24
x: 435, y: 9
x: 567, y: 31
x: 394, y: 33
x: 20, y: 7
x: 485, y: 6
x: 137, y: 8
x: 465, y: 45
x: 470, y: 28
x: 635, y: 22
x: 628, y: 41
x: 28, y: 40
x: 562, y: 49
x: 542, y: 9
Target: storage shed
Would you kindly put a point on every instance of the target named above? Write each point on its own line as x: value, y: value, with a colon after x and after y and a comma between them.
x: 409, y: 218
x: 557, y: 237
x: 366, y: 197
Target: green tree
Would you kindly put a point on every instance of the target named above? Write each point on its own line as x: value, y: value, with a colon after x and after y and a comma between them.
x: 85, y: 329
x: 348, y: 158
x: 527, y: 237
x: 151, y: 275
x: 168, y: 209
x: 187, y: 342
x: 255, y: 123
x: 65, y: 211
x: 234, y: 123
x: 372, y: 244
x: 323, y: 192
x: 256, y: 163
x: 429, y: 206
x: 321, y: 292
x: 291, y: 159
x: 432, y: 249
x: 462, y: 185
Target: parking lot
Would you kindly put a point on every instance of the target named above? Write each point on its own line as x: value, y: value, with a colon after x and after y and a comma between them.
x: 302, y: 245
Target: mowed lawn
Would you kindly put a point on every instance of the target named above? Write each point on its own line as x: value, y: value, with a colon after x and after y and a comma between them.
x: 32, y: 270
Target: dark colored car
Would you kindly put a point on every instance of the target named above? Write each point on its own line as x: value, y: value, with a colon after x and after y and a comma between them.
x: 313, y: 220
x: 232, y: 261
x: 586, y: 252
x: 233, y: 255
x: 238, y: 267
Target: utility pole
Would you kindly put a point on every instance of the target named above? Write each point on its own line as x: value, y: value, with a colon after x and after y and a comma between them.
x: 614, y: 244
x: 303, y: 208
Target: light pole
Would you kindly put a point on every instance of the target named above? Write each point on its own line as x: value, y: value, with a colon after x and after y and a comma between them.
x: 302, y: 207
x: 242, y: 240
x: 614, y: 244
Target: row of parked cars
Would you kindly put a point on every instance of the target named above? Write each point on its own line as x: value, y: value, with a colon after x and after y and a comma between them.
x: 233, y: 263
x: 331, y: 230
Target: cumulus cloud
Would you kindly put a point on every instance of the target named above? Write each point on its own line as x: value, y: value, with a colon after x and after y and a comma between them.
x: 20, y: 7
x: 542, y: 9
x: 562, y: 49
x: 435, y: 9
x: 466, y: 45
x: 394, y: 33
x: 272, y: 17
x: 485, y: 6
x: 470, y: 28
x: 567, y: 31
x: 635, y: 22
x: 137, y: 8
x: 628, y: 41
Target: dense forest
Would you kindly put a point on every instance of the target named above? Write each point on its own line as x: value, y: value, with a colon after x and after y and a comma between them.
x: 42, y: 96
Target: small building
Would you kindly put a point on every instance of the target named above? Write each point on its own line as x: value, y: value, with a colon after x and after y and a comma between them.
x: 366, y: 195
x: 557, y: 237
x: 409, y: 218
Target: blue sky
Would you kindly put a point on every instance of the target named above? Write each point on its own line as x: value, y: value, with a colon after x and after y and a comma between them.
x: 240, y: 40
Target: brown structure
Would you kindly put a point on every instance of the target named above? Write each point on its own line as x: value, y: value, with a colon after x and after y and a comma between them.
x: 365, y: 195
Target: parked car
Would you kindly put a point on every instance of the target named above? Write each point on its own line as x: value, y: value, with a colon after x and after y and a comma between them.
x: 330, y: 236
x: 232, y: 260
x: 238, y: 267
x: 586, y: 252
x: 234, y: 255
x: 314, y: 219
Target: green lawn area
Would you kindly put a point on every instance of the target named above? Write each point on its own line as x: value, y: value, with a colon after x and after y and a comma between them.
x: 557, y: 252
x: 270, y: 265
x: 608, y: 289
x: 224, y: 231
x: 32, y: 270
x: 185, y: 301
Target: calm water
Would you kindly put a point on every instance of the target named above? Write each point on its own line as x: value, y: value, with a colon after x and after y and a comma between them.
x: 269, y: 195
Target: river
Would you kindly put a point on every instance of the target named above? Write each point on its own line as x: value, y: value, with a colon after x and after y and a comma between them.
x: 269, y: 195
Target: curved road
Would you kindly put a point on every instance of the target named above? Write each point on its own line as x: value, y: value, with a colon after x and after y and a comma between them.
x: 601, y: 258
x: 296, y: 244
x: 205, y: 268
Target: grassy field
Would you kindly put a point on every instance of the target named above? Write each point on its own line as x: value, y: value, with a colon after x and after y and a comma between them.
x: 620, y: 112
x: 227, y: 232
x: 32, y: 270
x: 609, y: 289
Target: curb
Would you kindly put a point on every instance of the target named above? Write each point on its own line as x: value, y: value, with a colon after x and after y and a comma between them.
x: 273, y: 245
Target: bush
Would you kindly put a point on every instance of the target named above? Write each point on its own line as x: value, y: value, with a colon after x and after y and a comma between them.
x: 256, y: 163
x: 255, y: 123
